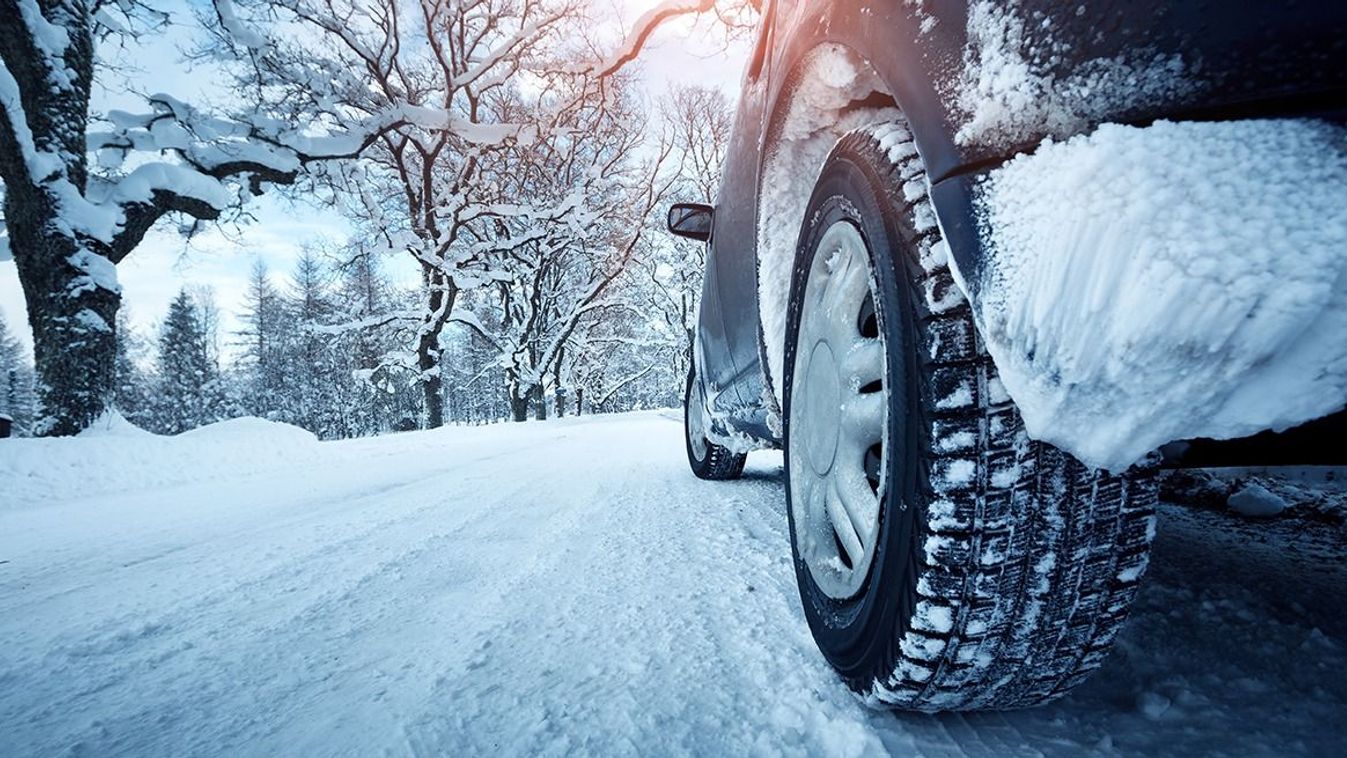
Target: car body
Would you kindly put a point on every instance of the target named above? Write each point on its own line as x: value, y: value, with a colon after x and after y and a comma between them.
x: 1094, y: 62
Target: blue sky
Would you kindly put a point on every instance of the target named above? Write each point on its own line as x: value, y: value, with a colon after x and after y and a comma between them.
x: 223, y: 255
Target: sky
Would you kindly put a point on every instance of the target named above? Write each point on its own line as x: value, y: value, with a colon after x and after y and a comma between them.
x: 222, y: 255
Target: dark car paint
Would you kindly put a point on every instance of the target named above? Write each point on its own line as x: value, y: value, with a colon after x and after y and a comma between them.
x: 1256, y: 59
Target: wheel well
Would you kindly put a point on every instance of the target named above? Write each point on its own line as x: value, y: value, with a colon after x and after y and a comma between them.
x: 829, y: 92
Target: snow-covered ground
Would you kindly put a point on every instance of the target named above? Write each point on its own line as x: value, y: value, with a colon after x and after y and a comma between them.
x: 555, y: 588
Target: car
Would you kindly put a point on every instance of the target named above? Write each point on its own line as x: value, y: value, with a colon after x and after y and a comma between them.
x: 974, y: 391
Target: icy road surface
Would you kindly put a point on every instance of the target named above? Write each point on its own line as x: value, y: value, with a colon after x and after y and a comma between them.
x: 558, y: 588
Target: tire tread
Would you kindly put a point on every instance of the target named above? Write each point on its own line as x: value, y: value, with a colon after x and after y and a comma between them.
x: 1038, y: 558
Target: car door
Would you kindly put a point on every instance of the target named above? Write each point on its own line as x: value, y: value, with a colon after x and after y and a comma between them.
x: 729, y: 320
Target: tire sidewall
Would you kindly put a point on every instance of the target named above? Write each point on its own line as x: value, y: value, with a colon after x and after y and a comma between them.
x: 859, y: 636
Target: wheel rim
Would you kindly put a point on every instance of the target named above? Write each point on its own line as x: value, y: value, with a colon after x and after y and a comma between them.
x: 696, y: 422
x: 838, y: 416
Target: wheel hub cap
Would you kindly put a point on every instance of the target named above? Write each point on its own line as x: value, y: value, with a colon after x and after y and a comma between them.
x: 696, y: 423
x: 838, y: 416
x: 822, y: 398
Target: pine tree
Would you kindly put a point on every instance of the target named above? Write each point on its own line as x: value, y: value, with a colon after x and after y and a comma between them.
x: 186, y: 374
x: 18, y: 393
x: 372, y: 400
x: 313, y: 371
x: 215, y: 391
x: 133, y: 394
x: 264, y: 333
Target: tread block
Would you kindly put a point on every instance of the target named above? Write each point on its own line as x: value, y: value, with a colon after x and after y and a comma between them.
x: 950, y: 338
x: 953, y: 389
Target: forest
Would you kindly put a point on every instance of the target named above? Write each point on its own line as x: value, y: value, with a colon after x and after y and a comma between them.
x: 504, y: 150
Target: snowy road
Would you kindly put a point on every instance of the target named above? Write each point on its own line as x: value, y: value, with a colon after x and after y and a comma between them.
x: 557, y: 588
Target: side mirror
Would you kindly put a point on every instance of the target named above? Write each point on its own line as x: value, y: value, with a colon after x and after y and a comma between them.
x: 691, y: 220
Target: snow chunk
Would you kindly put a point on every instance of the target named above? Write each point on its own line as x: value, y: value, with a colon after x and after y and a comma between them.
x: 141, y: 184
x: 98, y: 272
x: 241, y: 33
x: 958, y: 472
x: 50, y: 39
x: 1143, y: 285
x: 933, y: 618
x: 1153, y: 705
x: 91, y: 321
x: 40, y: 164
x: 1257, y: 501
x: 1131, y: 573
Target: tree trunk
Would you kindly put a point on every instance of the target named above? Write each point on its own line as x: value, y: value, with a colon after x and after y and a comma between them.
x: 69, y: 280
x: 579, y: 399
x: 442, y: 294
x: 519, y: 406
x: 539, y: 402
x: 431, y: 388
x: 559, y: 397
x: 428, y: 361
x: 72, y: 318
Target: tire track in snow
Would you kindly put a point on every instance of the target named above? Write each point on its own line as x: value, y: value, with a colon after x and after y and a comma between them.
x: 669, y: 637
x: 135, y: 643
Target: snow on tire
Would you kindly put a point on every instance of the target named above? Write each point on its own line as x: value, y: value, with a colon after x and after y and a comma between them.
x: 707, y: 459
x: 998, y: 569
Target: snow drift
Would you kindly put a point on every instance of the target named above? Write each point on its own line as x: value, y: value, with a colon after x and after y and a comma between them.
x: 1143, y: 285
x: 114, y: 455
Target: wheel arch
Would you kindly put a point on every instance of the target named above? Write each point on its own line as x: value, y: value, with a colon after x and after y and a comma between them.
x: 837, y: 77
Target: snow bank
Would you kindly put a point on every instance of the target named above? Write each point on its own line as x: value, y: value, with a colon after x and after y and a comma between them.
x: 113, y: 455
x: 1307, y: 493
x: 1181, y: 280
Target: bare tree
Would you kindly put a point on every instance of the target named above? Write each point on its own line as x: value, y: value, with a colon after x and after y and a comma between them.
x: 567, y: 275
x: 698, y: 120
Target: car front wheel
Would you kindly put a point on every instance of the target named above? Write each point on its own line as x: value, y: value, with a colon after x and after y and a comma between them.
x: 945, y: 561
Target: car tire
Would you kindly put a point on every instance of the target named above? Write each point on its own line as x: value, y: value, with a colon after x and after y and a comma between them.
x: 707, y: 459
x: 999, y: 569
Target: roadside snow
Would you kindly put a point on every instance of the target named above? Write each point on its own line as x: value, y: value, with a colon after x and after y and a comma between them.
x: 1308, y: 493
x: 565, y: 588
x: 1143, y: 285
x: 115, y: 456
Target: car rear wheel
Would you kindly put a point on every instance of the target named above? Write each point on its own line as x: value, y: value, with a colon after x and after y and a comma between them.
x: 945, y: 561
x: 707, y: 459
